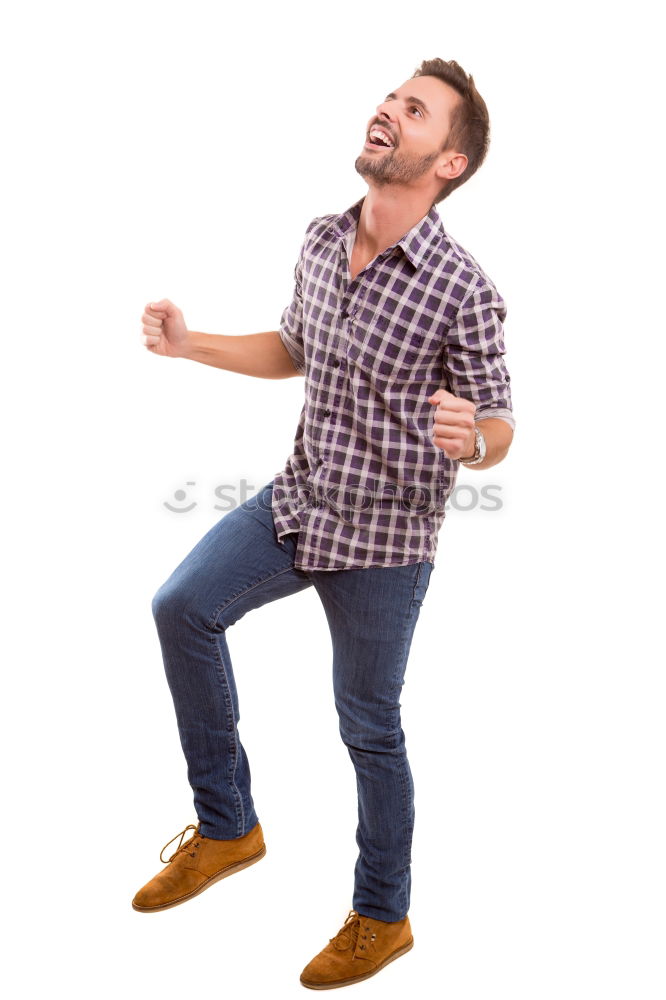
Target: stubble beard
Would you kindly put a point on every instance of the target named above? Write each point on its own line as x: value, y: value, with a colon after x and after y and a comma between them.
x: 393, y: 167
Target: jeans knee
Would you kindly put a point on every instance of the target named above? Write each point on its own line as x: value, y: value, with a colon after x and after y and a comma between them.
x: 167, y: 605
x: 375, y: 734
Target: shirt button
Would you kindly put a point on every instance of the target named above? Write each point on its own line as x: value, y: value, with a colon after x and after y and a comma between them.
x: 327, y: 413
x: 320, y: 461
x: 336, y: 363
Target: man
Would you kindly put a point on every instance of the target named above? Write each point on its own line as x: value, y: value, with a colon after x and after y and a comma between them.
x: 398, y: 332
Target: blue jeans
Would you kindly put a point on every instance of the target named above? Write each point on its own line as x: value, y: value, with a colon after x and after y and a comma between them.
x: 237, y: 566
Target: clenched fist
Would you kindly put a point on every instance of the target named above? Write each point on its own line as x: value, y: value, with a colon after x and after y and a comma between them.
x: 453, y: 429
x: 164, y: 330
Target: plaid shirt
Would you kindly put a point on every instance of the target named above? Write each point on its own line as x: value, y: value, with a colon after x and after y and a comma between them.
x: 366, y: 485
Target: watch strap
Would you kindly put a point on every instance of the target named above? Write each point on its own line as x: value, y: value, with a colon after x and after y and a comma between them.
x: 479, y: 449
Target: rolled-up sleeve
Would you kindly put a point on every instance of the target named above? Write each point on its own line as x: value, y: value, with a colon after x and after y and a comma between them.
x: 291, y: 324
x: 474, y: 354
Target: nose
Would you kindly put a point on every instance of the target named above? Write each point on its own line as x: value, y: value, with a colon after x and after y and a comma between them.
x: 384, y: 110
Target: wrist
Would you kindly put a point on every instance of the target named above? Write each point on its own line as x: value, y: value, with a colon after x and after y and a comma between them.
x: 188, y: 347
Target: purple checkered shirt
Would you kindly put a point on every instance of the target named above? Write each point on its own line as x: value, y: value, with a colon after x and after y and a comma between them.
x: 366, y: 485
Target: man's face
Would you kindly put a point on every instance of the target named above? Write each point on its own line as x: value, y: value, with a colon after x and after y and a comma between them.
x: 415, y: 119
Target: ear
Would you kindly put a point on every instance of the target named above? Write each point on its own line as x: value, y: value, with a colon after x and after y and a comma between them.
x: 452, y: 165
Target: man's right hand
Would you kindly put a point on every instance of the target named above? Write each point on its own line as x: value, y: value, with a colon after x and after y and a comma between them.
x: 164, y: 330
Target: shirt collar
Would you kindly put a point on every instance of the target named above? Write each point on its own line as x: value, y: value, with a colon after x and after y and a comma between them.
x: 417, y: 244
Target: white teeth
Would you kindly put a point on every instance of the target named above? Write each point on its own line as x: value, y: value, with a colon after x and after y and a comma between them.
x: 377, y: 132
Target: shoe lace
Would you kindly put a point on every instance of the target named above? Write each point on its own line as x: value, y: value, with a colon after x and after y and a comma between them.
x: 349, y: 932
x: 193, y: 841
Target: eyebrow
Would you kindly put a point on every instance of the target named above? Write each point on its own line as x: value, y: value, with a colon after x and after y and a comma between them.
x: 411, y: 100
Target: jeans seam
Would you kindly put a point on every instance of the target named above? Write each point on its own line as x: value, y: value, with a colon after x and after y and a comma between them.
x: 230, y: 713
x: 407, y: 827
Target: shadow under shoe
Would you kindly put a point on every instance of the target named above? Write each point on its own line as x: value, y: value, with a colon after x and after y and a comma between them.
x: 360, y: 949
x: 197, y: 864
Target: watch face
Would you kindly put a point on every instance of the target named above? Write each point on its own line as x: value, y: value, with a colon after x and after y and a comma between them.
x: 480, y: 443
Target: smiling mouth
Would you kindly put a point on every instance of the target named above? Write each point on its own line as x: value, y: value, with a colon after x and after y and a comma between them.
x: 378, y: 139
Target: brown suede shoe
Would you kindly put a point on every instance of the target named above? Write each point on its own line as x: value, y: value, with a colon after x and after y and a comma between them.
x: 195, y: 865
x: 362, y: 947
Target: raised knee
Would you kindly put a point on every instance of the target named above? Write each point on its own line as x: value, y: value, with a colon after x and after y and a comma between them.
x: 168, y: 604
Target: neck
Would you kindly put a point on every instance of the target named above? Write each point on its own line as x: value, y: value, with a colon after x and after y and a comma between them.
x: 386, y: 216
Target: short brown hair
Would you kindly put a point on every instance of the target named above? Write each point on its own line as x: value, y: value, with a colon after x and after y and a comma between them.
x: 470, y: 124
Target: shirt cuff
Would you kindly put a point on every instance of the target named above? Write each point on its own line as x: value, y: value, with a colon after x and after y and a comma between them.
x: 500, y: 412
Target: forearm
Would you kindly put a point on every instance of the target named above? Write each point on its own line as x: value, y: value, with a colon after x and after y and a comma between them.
x: 262, y: 355
x: 498, y: 435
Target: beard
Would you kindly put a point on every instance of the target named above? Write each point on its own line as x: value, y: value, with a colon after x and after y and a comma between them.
x: 394, y: 167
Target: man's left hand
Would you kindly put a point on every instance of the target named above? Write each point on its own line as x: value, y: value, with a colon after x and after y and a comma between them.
x: 453, y: 429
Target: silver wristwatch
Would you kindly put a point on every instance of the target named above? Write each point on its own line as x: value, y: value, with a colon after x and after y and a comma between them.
x: 479, y: 449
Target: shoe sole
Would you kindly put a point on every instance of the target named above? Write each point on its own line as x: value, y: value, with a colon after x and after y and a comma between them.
x: 366, y: 975
x: 231, y: 870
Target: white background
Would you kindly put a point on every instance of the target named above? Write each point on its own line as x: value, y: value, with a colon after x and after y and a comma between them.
x: 165, y: 149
